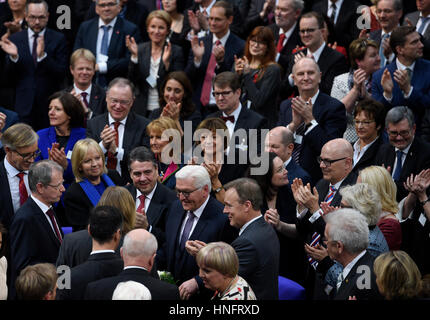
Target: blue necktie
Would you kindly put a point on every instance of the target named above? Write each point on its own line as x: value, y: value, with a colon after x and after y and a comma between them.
x: 398, y: 171
x: 381, y: 50
x: 423, y: 24
x: 105, y: 40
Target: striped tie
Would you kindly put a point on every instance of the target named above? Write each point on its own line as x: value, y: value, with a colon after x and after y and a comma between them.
x: 316, y: 236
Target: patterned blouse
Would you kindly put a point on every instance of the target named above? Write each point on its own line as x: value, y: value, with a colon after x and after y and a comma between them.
x: 239, y: 291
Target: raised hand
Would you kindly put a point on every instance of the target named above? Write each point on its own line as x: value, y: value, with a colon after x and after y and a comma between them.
x: 219, y: 52
x: 58, y: 155
x: 108, y: 136
x: 198, y: 48
x: 131, y: 45
x: 403, y: 80
x: 387, y: 83
x: 302, y: 107
x: 317, y: 253
x: 40, y: 49
x: 272, y: 217
x: 202, y: 18
x: 326, y: 208
x: 9, y: 47
x: 166, y: 55
x: 194, y: 21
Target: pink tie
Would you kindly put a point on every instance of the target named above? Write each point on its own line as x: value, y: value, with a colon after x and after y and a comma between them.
x: 207, y: 84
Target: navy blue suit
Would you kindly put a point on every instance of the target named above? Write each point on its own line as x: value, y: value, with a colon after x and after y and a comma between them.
x: 119, y: 56
x: 213, y: 225
x: 233, y: 47
x: 330, y: 115
x: 35, y: 83
x: 419, y: 99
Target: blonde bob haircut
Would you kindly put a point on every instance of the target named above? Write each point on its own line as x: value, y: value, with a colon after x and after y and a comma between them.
x: 219, y: 256
x: 80, y: 151
x: 120, y: 198
x: 380, y: 179
x: 397, y: 275
x: 162, y: 15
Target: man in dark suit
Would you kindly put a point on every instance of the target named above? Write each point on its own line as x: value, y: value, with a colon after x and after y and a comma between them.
x: 405, y: 153
x: 343, y: 16
x: 331, y: 62
x: 257, y: 246
x: 35, y: 234
x: 91, y: 95
x: 314, y: 117
x: 138, y: 252
x: 105, y: 230
x: 420, y: 19
x: 195, y: 216
x: 212, y: 54
x: 347, y: 237
x: 36, y: 65
x: 105, y: 38
x: 405, y: 81
x: 389, y: 13
x: 153, y: 199
x: 119, y: 130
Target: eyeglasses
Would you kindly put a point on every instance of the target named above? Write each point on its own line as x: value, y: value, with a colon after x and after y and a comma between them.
x: 310, y: 30
x: 363, y: 123
x: 120, y: 102
x: 34, y: 18
x: 256, y: 43
x: 105, y: 5
x: 28, y: 156
x: 221, y: 93
x: 328, y: 162
x: 186, y: 194
x: 403, y: 133
x: 57, y: 187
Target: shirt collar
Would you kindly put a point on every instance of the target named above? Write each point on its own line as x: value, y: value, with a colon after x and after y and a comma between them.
x: 338, y: 3
x: 289, y: 31
x: 350, y: 265
x: 223, y: 40
x: 401, y: 66
x: 11, y: 170
x: 149, y: 195
x: 286, y: 163
x: 111, y: 120
x: 112, y: 23
x: 87, y: 90
x: 315, y: 97
x: 40, y: 204
x: 31, y: 32
x: 235, y: 113
x: 405, y: 150
x: 317, y: 52
x: 198, y: 212
x: 248, y: 223
x: 101, y: 251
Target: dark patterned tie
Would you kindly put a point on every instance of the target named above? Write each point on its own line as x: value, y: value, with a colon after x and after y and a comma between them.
x: 34, y: 51
x: 187, y: 230
x: 298, y: 146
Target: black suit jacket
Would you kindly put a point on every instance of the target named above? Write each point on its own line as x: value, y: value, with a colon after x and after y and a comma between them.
x: 134, y: 136
x: 103, y: 289
x: 6, y: 213
x: 97, y: 99
x: 98, y: 266
x: 349, y: 287
x: 32, y: 239
x: 258, y: 251
x: 331, y: 62
x: 140, y: 71
x: 118, y: 53
x: 369, y: 157
x: 157, y: 210
x: 330, y: 115
x: 417, y: 159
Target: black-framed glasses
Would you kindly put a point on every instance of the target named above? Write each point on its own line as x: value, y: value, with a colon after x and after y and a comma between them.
x: 28, y: 156
x: 403, y: 133
x: 363, y: 123
x: 221, y: 93
x: 186, y: 194
x: 328, y: 162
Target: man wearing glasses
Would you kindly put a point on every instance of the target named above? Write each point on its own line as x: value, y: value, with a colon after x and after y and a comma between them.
x: 35, y: 234
x: 36, y: 65
x: 119, y: 130
x: 20, y: 144
x: 105, y: 36
x: 405, y: 154
x: 194, y: 218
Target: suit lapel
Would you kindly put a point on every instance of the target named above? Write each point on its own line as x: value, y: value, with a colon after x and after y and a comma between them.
x: 116, y: 36
x: 408, y: 165
x: 44, y: 221
x: 92, y: 36
x: 129, y: 131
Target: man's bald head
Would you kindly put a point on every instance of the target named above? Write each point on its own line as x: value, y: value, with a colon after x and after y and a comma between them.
x: 280, y: 140
x: 139, y: 248
x: 336, y: 160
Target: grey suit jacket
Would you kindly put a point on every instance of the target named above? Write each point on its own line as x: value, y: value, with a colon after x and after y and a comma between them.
x: 414, y: 18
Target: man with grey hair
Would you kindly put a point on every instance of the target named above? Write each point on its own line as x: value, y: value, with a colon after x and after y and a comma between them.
x: 138, y: 253
x: 197, y: 216
x: 257, y: 246
x: 35, y: 235
x: 119, y: 130
x: 347, y: 237
x: 406, y: 153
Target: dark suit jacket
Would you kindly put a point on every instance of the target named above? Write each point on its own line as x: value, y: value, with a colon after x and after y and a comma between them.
x: 233, y: 46
x: 330, y: 115
x: 32, y: 239
x: 345, y: 29
x: 331, y: 62
x: 349, y: 284
x: 258, y: 251
x: 34, y: 84
x: 98, y: 266
x: 6, y: 213
x: 97, y: 100
x: 118, y: 53
x: 213, y: 225
x: 138, y: 73
x: 417, y: 159
x: 369, y: 157
x: 158, y: 207
x: 103, y: 289
x: 134, y: 136
x: 419, y: 99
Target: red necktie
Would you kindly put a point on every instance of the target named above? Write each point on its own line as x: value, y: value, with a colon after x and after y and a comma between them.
x: 112, y: 160
x: 207, y: 84
x: 23, y: 195
x: 280, y: 42
x: 141, y: 208
x: 228, y: 118
x: 50, y: 214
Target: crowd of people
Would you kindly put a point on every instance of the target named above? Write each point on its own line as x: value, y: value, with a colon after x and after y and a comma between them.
x: 215, y: 150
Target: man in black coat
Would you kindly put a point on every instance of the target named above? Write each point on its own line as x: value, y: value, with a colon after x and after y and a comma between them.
x: 105, y: 230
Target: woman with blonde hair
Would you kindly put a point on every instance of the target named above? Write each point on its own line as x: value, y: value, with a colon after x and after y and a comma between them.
x: 380, y: 179
x: 397, y: 276
x: 91, y: 179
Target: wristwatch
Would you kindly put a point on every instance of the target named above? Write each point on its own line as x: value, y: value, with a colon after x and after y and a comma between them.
x: 217, y: 190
